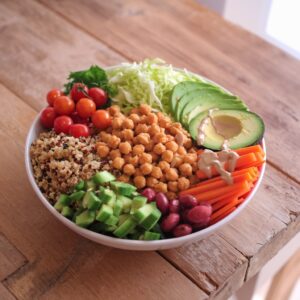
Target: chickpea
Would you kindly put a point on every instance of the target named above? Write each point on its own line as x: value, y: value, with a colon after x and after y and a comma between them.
x: 135, y: 118
x: 143, y: 138
x: 114, y: 109
x: 128, y: 124
x: 143, y: 119
x: 117, y: 123
x: 131, y: 159
x: 190, y: 158
x: 164, y: 166
x: 185, y: 169
x: 138, y: 149
x: 171, y: 174
x: 118, y: 163
x: 129, y: 169
x: 116, y: 132
x: 181, y: 150
x: 105, y: 137
x: 114, y: 153
x: 127, y: 134
x: 160, y: 138
x: 146, y: 168
x: 170, y: 138
x: 154, y: 129
x: 138, y: 172
x: 123, y: 178
x: 114, y: 142
x: 159, y: 148
x: 183, y: 183
x: 188, y: 144
x: 125, y: 147
x: 151, y: 181
x: 156, y: 172
x: 177, y: 161
x: 173, y: 186
x: 151, y: 119
x: 139, y: 181
x: 141, y: 128
x: 154, y: 156
x: 149, y: 146
x: 167, y: 156
x: 172, y: 146
x: 164, y: 123
x: 98, y: 144
x: 102, y: 151
x: 194, y: 166
x: 170, y: 195
x: 163, y: 179
x: 145, y: 158
x: 145, y: 109
x: 161, y: 187
x: 173, y: 130
x: 135, y: 111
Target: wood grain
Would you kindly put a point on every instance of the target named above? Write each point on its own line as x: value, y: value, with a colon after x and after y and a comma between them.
x: 187, y: 36
x: 5, y: 294
x: 54, y: 253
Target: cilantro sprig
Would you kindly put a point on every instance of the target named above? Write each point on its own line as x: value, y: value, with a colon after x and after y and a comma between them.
x: 92, y: 77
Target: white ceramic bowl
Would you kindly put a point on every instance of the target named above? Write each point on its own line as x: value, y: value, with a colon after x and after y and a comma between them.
x: 33, y: 134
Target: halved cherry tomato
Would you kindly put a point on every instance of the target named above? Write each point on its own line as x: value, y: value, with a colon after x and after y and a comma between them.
x: 62, y: 124
x: 85, y: 107
x: 52, y: 95
x: 98, y: 95
x: 78, y: 91
x: 47, y: 117
x: 101, y: 119
x: 63, y: 105
x: 78, y: 130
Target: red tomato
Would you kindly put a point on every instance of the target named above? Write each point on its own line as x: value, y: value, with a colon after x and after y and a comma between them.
x: 78, y: 91
x: 78, y: 130
x: 98, y: 95
x: 52, y: 95
x: 47, y: 117
x: 101, y: 119
x: 62, y: 124
x: 63, y: 105
x: 85, y: 107
x: 77, y: 119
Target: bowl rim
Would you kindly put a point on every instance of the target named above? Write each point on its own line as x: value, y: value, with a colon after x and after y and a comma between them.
x: 122, y: 243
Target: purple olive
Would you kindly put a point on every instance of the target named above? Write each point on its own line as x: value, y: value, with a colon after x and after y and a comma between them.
x: 149, y: 194
x: 162, y: 203
x: 169, y: 222
x: 174, y: 206
x: 188, y: 201
x: 182, y: 230
x: 200, y: 214
x: 203, y: 224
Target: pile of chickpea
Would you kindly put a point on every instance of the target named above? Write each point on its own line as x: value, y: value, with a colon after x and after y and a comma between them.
x: 149, y: 150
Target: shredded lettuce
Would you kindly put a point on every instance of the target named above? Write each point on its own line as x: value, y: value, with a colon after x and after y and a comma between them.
x: 150, y: 82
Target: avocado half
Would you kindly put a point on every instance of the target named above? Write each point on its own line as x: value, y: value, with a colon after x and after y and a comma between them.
x: 239, y: 127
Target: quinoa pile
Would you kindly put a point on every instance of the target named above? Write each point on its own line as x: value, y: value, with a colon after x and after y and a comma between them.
x: 60, y: 161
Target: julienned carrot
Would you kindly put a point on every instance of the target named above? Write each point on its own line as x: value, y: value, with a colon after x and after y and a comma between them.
x: 224, y: 209
x: 236, y: 187
x: 223, y: 202
x: 241, y: 200
x: 243, y: 161
x: 225, y: 214
x: 217, y: 184
x: 250, y: 149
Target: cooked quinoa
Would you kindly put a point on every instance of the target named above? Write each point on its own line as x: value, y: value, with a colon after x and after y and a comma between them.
x: 60, y: 161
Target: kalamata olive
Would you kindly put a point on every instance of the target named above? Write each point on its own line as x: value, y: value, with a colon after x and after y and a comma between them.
x: 201, y: 225
x: 149, y: 194
x: 187, y: 201
x: 199, y: 214
x: 182, y: 229
x: 169, y: 222
x: 162, y: 203
x: 184, y: 214
x: 174, y: 206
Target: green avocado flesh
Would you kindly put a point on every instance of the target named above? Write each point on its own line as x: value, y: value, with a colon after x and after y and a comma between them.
x: 240, y: 128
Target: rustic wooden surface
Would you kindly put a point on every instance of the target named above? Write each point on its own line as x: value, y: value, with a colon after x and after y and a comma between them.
x: 41, y: 41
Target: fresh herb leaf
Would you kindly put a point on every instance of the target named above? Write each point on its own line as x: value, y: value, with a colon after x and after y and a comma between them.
x: 92, y: 77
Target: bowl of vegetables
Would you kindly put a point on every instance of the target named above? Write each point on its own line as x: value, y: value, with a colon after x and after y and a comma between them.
x: 144, y: 156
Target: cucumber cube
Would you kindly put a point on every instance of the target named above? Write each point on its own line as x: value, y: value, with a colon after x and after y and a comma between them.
x: 103, y: 177
x: 126, y: 203
x: 123, y: 188
x: 151, y: 220
x: 67, y: 212
x: 142, y: 213
x: 107, y: 195
x: 76, y: 196
x: 93, y: 202
x: 104, y: 213
x: 118, y: 207
x: 86, y: 218
x: 80, y: 185
x: 123, y: 218
x: 90, y: 185
x: 58, y: 206
x: 137, y: 203
x: 149, y: 236
x: 112, y: 220
x: 125, y: 228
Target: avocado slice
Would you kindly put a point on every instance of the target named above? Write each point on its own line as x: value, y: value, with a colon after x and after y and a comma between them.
x: 240, y: 128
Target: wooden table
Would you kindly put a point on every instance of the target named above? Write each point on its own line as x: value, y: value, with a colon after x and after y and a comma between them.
x: 41, y: 41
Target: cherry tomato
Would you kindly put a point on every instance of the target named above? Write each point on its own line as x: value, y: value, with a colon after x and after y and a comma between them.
x: 62, y: 124
x: 52, y: 95
x: 78, y: 130
x: 78, y: 91
x: 101, y: 119
x: 85, y: 107
x: 77, y: 119
x: 47, y: 117
x: 98, y: 95
x: 63, y: 105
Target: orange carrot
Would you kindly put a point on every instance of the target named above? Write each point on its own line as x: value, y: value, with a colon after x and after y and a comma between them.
x: 241, y: 200
x: 225, y: 214
x: 250, y: 149
x: 224, y: 202
x: 224, y: 209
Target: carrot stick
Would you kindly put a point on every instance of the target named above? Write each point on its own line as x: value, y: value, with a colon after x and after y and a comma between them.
x: 250, y: 149
x: 224, y: 209
x: 224, y: 202
x: 241, y: 200
x: 225, y: 214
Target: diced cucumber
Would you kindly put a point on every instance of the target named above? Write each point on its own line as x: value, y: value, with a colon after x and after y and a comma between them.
x: 142, y: 213
x: 67, y: 212
x: 126, y: 203
x: 125, y: 228
x: 112, y: 220
x: 123, y: 218
x: 151, y: 220
x: 58, y: 206
x: 102, y: 227
x: 106, y: 195
x: 118, y: 207
x: 90, y: 185
x: 149, y: 236
x: 104, y: 213
x: 135, y: 236
x: 86, y: 218
x: 93, y: 202
x: 111, y: 202
x: 64, y: 200
x: 134, y: 194
x: 123, y: 188
x: 137, y: 202
x: 103, y: 177
x: 80, y: 185
x: 76, y: 196
x: 110, y: 228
